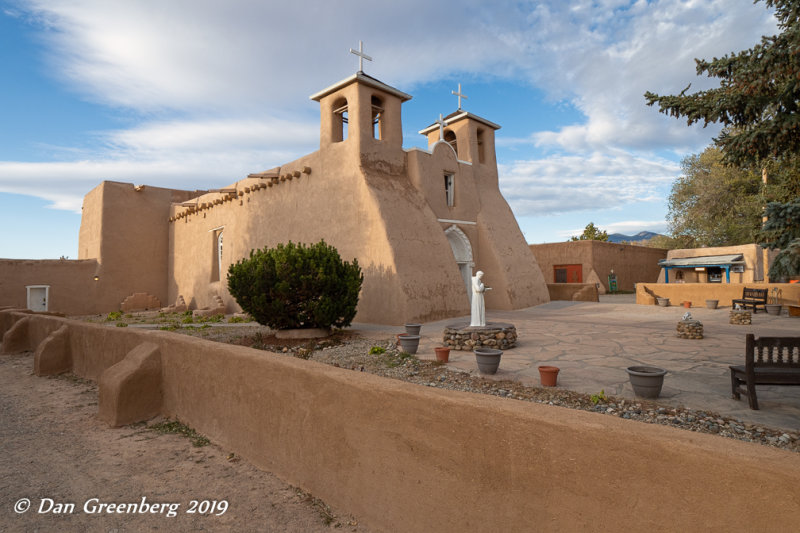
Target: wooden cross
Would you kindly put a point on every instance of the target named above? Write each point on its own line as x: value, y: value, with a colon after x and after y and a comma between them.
x: 441, y: 124
x: 361, y: 56
x: 460, y: 96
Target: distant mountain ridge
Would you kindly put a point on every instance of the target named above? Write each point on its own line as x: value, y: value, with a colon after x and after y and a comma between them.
x: 641, y: 236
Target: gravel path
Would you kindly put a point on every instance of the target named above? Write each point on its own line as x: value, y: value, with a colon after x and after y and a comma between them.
x: 56, y: 450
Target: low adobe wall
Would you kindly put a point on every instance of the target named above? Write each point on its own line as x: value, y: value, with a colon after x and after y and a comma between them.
x: 698, y: 293
x: 574, y: 292
x: 407, y: 458
x: 73, y: 290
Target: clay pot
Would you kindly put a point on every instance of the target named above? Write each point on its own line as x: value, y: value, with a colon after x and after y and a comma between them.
x: 413, y: 329
x: 442, y: 353
x: 712, y: 304
x: 687, y: 305
x: 663, y: 302
x: 773, y: 309
x: 488, y: 359
x: 548, y: 375
x: 409, y: 343
x: 646, y: 380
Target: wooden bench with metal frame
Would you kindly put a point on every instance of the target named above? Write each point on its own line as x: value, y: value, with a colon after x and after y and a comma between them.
x: 768, y: 361
x: 752, y: 298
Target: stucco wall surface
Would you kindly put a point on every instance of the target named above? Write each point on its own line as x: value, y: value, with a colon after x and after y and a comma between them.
x: 72, y: 288
x: 573, y: 292
x: 698, y: 293
x: 631, y: 264
x: 408, y: 458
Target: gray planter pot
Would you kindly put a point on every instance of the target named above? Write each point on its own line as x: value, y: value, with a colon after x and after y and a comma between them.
x: 646, y: 380
x: 413, y: 329
x: 488, y: 359
x: 663, y: 302
x: 712, y: 304
x: 409, y: 343
x: 774, y: 309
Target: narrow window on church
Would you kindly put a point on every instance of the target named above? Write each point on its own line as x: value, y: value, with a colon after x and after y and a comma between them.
x: 449, y: 189
x: 481, y: 152
x: 339, y: 119
x: 219, y: 256
x: 450, y: 138
x: 216, y: 258
x: 377, y: 118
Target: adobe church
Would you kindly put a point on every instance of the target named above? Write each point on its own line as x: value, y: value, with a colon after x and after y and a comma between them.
x: 420, y: 222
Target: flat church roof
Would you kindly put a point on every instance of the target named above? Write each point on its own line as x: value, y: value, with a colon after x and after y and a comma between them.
x: 366, y: 80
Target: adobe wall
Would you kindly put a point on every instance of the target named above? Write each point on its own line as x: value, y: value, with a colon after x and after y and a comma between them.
x: 632, y: 264
x: 72, y: 288
x: 698, y: 293
x: 408, y: 458
x: 125, y: 228
x: 380, y: 220
x: 573, y: 292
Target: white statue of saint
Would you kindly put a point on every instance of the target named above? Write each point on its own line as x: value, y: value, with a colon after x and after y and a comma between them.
x: 478, y: 317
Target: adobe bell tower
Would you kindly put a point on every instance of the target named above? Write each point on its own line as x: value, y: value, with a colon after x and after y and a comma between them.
x: 362, y: 113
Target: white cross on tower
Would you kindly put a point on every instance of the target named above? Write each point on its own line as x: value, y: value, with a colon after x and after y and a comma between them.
x: 361, y: 56
x: 460, y: 96
x: 441, y: 124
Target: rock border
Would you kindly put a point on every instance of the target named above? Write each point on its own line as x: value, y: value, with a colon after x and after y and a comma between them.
x: 462, y: 336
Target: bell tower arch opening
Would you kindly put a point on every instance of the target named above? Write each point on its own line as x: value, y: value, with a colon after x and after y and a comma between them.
x: 462, y: 251
x: 450, y: 138
x: 339, y: 120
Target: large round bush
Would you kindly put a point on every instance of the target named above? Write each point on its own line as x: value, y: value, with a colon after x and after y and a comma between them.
x: 297, y: 286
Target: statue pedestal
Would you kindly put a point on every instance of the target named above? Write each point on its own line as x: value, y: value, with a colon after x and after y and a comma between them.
x: 462, y: 336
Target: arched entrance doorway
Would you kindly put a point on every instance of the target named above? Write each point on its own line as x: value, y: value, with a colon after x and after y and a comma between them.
x: 462, y: 251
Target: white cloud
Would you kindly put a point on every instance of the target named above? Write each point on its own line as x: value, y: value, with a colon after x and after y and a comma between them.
x: 217, y: 65
x: 564, y: 183
x: 603, y: 61
x: 177, y: 154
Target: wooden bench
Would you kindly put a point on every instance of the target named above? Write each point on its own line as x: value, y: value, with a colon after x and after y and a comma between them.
x: 768, y: 361
x: 754, y: 298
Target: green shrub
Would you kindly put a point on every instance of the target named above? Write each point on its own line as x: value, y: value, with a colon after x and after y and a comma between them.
x: 297, y: 286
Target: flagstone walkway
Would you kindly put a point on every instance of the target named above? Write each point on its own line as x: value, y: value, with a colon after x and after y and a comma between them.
x: 593, y: 343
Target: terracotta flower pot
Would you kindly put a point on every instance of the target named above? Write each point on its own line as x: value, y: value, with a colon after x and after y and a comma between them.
x: 442, y: 353
x: 687, y: 305
x: 548, y: 375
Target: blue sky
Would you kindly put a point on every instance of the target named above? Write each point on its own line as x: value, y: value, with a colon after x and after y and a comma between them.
x: 197, y: 94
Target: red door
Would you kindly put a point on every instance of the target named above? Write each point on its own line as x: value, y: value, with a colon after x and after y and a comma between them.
x: 568, y: 274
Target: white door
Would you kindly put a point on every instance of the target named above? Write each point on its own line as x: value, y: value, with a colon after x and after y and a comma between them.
x: 37, y: 297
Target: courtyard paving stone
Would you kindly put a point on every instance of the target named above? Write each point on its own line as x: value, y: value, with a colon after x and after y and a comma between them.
x: 592, y: 343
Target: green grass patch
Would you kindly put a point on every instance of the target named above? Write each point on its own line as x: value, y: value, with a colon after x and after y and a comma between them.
x: 175, y: 427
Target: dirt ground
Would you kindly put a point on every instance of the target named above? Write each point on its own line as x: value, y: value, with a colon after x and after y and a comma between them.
x: 56, y: 452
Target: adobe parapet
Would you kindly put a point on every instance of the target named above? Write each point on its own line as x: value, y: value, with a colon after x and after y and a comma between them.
x: 235, y: 194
